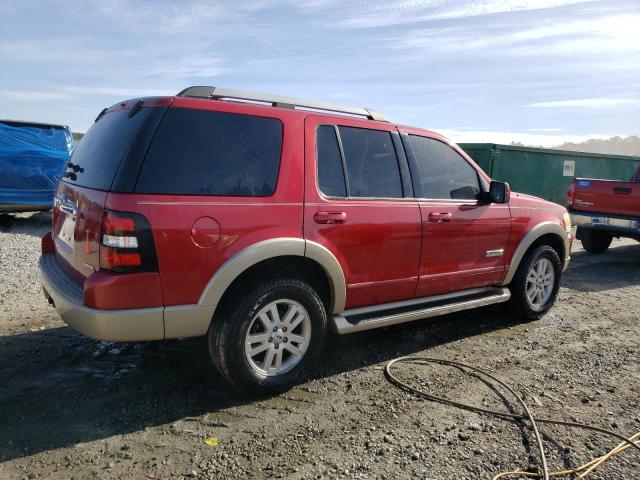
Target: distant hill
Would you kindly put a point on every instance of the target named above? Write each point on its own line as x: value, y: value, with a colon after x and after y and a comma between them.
x: 613, y: 146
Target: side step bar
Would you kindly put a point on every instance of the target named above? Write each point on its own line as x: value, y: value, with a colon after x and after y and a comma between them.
x: 367, y: 318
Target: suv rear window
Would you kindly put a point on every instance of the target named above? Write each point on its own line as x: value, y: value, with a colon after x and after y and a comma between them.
x: 199, y: 152
x: 96, y: 159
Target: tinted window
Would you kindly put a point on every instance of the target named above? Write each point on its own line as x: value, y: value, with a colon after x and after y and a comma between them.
x: 372, y: 165
x: 444, y: 173
x: 96, y: 158
x: 198, y: 152
x: 330, y: 171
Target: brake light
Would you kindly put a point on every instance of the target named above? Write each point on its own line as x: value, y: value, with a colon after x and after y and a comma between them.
x: 126, y: 243
x: 570, y: 193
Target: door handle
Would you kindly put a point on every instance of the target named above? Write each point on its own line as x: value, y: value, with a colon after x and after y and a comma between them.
x: 330, y: 218
x: 440, y: 217
x: 622, y: 190
x: 65, y: 205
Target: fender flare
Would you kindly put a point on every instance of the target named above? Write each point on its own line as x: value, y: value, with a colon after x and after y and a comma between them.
x: 534, y: 234
x: 277, y: 247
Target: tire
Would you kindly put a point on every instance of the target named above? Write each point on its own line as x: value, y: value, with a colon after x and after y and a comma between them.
x: 524, y: 281
x: 595, y: 241
x: 249, y: 314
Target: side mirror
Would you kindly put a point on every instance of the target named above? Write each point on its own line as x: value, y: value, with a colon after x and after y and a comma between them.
x: 499, y: 192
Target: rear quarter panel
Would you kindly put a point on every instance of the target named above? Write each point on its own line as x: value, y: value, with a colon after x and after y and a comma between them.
x: 186, y: 267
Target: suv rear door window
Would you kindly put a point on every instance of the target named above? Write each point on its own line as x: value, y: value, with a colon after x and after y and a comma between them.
x: 200, y: 152
x: 444, y: 173
x: 372, y: 163
x: 330, y: 169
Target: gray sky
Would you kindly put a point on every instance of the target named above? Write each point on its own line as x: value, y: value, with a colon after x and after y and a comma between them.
x: 540, y: 72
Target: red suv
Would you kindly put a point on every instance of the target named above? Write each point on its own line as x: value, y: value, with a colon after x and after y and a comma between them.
x: 263, y: 221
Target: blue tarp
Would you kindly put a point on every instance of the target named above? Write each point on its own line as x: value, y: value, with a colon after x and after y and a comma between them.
x: 32, y: 160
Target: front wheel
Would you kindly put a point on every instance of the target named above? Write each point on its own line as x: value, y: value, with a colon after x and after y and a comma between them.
x: 536, y: 283
x: 263, y: 342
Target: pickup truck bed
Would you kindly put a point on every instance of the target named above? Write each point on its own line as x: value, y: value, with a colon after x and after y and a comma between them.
x: 603, y: 209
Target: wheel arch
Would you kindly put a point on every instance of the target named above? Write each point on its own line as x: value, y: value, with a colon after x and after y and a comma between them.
x: 297, y: 257
x: 278, y: 250
x: 549, y: 233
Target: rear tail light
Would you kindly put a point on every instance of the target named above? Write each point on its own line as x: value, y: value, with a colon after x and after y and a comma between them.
x: 570, y: 192
x: 126, y: 243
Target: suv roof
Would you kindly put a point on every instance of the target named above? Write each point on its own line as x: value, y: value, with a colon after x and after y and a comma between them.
x: 218, y: 93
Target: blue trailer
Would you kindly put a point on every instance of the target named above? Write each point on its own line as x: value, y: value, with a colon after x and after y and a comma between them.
x: 33, y: 157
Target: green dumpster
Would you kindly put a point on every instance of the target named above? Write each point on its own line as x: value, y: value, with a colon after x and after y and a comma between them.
x: 544, y: 172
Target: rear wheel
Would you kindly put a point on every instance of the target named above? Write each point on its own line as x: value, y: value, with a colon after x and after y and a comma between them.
x: 595, y: 241
x: 536, y: 283
x: 264, y: 342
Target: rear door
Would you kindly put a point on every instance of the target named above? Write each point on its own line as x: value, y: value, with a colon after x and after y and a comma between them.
x: 464, y: 239
x: 359, y: 204
x: 81, y: 195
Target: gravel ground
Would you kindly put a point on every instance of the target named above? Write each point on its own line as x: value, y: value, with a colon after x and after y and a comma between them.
x: 71, y: 407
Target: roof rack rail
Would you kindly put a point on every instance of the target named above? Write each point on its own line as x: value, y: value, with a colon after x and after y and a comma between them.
x: 217, y: 93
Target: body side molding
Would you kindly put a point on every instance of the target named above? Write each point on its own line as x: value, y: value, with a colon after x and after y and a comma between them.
x: 534, y: 234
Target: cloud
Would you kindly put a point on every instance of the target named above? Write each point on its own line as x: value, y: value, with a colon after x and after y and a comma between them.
x: 32, y: 95
x: 614, y: 34
x: 402, y: 12
x: 120, y: 92
x: 588, y: 103
x: 506, y: 137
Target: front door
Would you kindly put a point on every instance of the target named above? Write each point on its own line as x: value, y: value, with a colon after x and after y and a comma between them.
x: 464, y: 239
x: 359, y: 204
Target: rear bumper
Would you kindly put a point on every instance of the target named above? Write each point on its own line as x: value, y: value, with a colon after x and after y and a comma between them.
x: 111, y: 325
x: 616, y: 224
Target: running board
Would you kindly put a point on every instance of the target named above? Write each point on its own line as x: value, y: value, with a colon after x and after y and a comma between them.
x: 367, y: 318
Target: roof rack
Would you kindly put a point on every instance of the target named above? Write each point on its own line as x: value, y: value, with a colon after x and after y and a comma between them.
x: 217, y: 93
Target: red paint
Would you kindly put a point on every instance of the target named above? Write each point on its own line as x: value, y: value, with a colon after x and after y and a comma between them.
x: 81, y: 249
x: 606, y: 196
x: 105, y: 291
x: 205, y: 232
x: 388, y: 249
x: 46, y: 244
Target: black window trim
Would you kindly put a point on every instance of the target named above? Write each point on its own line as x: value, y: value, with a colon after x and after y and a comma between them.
x: 415, y: 174
x: 401, y: 156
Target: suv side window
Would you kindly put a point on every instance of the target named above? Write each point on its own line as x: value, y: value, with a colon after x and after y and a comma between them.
x: 371, y: 162
x: 199, y: 152
x: 444, y: 173
x: 330, y: 169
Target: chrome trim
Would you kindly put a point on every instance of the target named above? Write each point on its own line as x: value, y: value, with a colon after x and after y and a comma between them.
x: 581, y: 220
x: 342, y: 325
x: 65, y: 205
